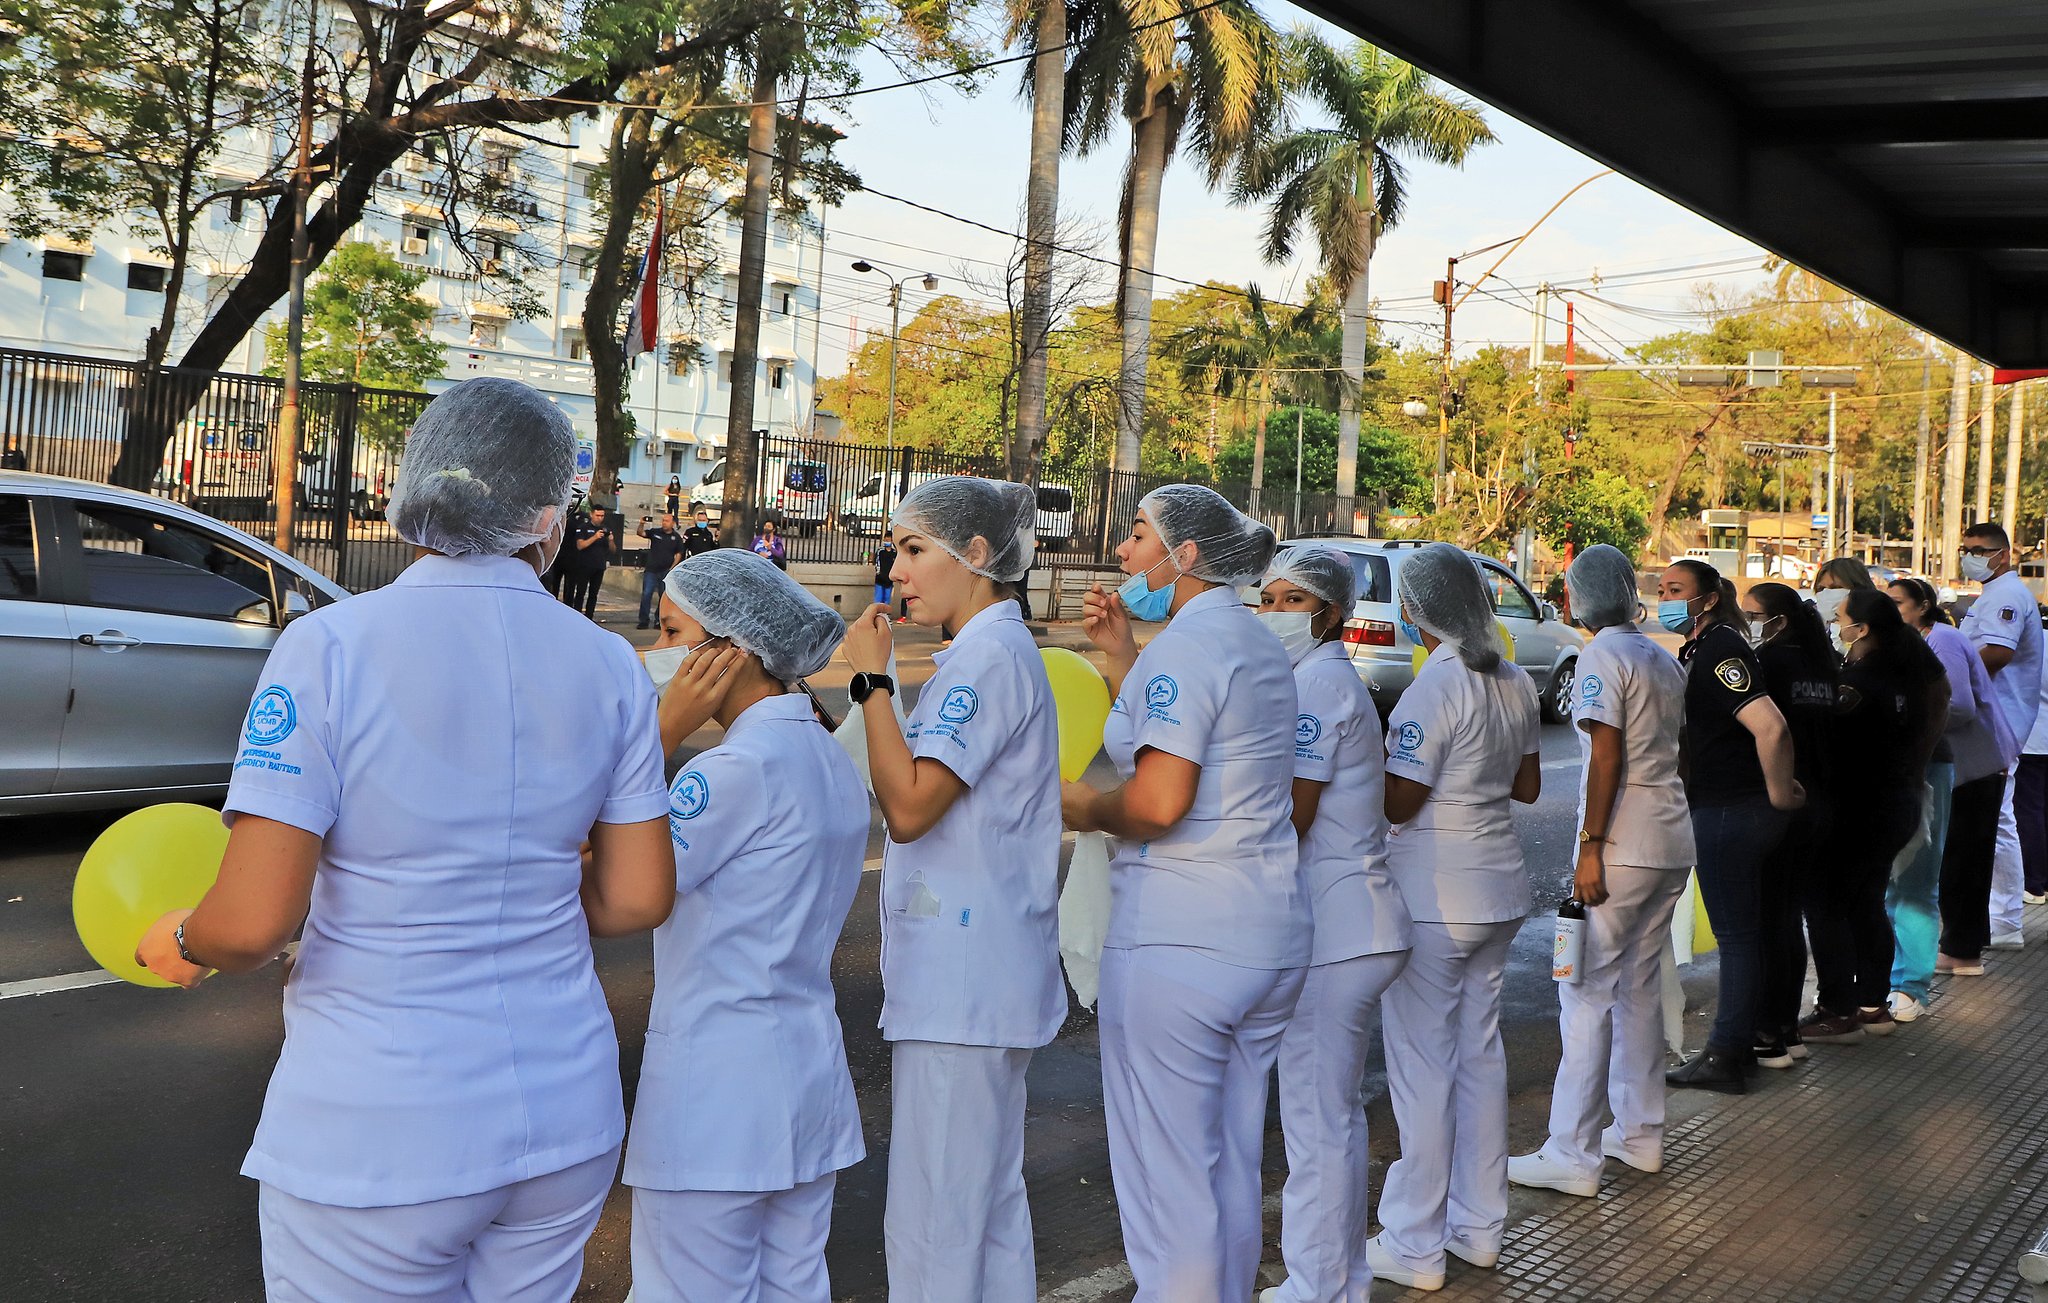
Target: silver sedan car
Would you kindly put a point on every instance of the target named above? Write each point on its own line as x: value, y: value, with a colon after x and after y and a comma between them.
x: 132, y: 633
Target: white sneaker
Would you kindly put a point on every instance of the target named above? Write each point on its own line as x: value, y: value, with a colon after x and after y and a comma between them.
x: 1539, y: 1171
x: 1905, y: 1008
x: 1613, y: 1146
x: 2008, y: 941
x: 1484, y: 1259
x: 2034, y: 898
x: 1270, y: 1295
x: 1384, y: 1267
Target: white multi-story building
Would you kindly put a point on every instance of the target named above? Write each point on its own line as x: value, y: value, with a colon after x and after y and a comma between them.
x: 101, y: 297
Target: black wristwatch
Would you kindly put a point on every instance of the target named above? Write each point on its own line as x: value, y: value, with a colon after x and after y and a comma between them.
x: 865, y: 684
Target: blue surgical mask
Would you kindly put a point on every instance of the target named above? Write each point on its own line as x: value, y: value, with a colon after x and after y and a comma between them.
x: 1409, y: 628
x: 1675, y: 615
x: 1143, y: 603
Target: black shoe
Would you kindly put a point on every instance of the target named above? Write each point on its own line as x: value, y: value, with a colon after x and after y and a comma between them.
x: 1711, y: 1069
x: 641, y: 625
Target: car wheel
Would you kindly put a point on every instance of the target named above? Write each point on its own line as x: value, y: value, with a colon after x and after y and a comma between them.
x: 1557, y: 703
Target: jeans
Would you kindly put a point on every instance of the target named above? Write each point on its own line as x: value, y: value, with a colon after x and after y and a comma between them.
x: 1966, y: 866
x: 650, y: 588
x: 1732, y: 842
x: 1845, y: 916
x: 1911, y: 900
x: 1783, y: 920
x: 882, y: 592
x: 2030, y: 810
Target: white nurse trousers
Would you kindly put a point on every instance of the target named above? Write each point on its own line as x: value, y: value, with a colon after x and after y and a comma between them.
x: 957, y: 1225
x: 1448, y: 1075
x: 1324, y: 1207
x: 1612, y: 1024
x: 1187, y: 1044
x: 721, y: 1246
x: 2008, y: 869
x: 520, y: 1243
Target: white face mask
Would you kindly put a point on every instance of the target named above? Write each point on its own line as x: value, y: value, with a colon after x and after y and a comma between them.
x: 551, y: 545
x: 1293, y: 629
x: 1976, y: 569
x: 1828, y: 601
x: 663, y: 662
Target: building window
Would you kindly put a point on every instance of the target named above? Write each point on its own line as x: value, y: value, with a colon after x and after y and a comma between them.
x: 775, y: 374
x: 235, y: 202
x: 679, y: 357
x: 486, y: 334
x: 148, y: 277
x: 61, y: 266
x: 417, y: 236
x: 675, y: 461
x: 492, y: 248
x: 573, y: 343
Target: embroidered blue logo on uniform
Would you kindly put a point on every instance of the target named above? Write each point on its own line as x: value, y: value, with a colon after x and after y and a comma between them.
x: 1161, y: 692
x: 1590, y: 688
x: 1411, y: 736
x: 959, y: 705
x: 272, y: 717
x: 1307, y: 728
x: 691, y: 795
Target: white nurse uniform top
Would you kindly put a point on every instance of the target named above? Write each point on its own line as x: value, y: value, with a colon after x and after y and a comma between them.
x: 452, y: 738
x: 744, y: 1085
x: 970, y: 910
x: 1628, y: 682
x: 1338, y: 741
x: 1225, y: 880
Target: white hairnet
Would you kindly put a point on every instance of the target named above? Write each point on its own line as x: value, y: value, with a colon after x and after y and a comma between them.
x: 1323, y: 571
x: 1443, y: 593
x: 954, y: 510
x: 742, y: 596
x: 1602, y: 584
x: 1230, y: 547
x: 486, y: 469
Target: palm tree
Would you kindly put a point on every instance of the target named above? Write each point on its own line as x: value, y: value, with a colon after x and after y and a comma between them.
x: 1201, y: 71
x: 1041, y: 25
x: 1256, y: 353
x: 1346, y: 181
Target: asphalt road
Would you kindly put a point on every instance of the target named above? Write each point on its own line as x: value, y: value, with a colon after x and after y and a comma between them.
x: 124, y: 1113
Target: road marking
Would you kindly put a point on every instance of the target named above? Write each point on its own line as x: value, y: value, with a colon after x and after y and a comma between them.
x: 61, y: 982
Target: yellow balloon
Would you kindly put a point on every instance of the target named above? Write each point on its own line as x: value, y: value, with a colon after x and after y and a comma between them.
x: 145, y: 865
x: 1081, y: 699
x: 1702, y: 930
x: 1507, y: 647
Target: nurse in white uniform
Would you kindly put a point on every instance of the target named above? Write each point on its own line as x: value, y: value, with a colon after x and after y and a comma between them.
x: 1634, y: 848
x: 1209, y: 931
x: 1461, y: 743
x: 420, y: 767
x: 745, y: 1111
x: 1361, y: 932
x: 970, y: 891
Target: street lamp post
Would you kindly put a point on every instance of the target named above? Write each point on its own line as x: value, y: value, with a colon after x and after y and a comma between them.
x: 931, y: 283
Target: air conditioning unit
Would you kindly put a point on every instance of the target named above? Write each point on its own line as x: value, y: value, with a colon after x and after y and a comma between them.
x: 491, y: 266
x: 654, y: 445
x: 415, y: 246
x: 413, y: 163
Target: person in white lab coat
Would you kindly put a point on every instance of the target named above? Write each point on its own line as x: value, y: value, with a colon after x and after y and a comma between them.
x: 1461, y: 744
x: 444, y: 1120
x: 970, y: 891
x: 1209, y: 931
x: 745, y: 1112
x: 1361, y: 932
x: 1634, y: 848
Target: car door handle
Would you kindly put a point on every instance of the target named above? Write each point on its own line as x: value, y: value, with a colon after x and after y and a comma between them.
x: 112, y: 638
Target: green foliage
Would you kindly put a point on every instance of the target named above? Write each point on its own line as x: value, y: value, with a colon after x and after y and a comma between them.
x: 1593, y: 506
x: 365, y: 324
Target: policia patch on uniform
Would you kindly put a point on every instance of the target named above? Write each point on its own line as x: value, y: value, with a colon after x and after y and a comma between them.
x: 1733, y: 673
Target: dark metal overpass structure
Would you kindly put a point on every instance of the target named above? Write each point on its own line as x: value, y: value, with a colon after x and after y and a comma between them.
x: 1898, y: 148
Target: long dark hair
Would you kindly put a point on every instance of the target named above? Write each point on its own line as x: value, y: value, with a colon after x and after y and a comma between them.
x: 1804, y: 628
x: 1923, y: 592
x: 1900, y: 648
x: 1728, y: 610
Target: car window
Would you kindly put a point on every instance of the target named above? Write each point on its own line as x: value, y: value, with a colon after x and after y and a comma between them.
x: 17, y: 549
x: 716, y: 473
x: 141, y: 561
x: 1055, y: 499
x: 1508, y: 597
x: 1372, y: 576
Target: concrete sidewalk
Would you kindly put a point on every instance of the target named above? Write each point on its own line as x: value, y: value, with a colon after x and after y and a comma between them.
x: 1904, y: 1168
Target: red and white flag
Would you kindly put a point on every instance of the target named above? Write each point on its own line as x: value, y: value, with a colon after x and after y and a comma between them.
x: 2014, y: 377
x: 643, y: 321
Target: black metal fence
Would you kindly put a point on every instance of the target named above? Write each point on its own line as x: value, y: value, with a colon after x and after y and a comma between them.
x: 64, y: 415
x: 831, y: 500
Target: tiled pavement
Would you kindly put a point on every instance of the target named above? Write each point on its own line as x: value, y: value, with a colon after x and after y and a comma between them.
x: 1903, y: 1169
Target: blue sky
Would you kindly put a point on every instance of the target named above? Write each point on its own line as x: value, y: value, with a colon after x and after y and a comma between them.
x: 967, y: 154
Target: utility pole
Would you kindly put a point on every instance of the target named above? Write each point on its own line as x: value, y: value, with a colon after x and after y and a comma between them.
x: 1833, y: 523
x: 285, y: 452
x: 1919, y: 469
x: 1958, y: 464
x: 2011, y: 518
x: 1445, y: 295
x: 1984, y: 437
x: 1525, y: 545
